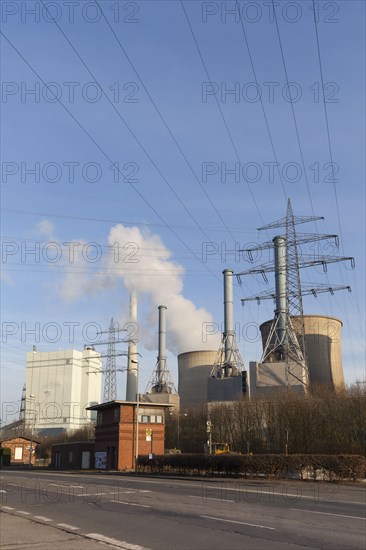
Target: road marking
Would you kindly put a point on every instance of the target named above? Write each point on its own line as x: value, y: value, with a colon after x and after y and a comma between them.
x: 91, y: 494
x: 3, y: 491
x: 270, y: 493
x: 117, y: 543
x: 328, y: 514
x: 42, y: 518
x: 173, y: 483
x: 131, y: 503
x: 67, y: 526
x: 240, y: 522
x: 25, y: 513
x: 128, y: 492
x: 7, y: 508
x: 211, y: 498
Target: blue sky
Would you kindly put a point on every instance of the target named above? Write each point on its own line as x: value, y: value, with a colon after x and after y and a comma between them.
x: 175, y: 205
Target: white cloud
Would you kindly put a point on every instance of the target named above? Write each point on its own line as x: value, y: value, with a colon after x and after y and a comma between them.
x: 45, y: 228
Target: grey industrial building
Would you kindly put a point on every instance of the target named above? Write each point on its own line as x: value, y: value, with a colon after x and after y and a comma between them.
x: 194, y: 369
x: 323, y: 339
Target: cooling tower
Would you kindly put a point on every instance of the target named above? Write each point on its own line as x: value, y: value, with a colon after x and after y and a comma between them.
x: 323, y: 347
x: 194, y: 368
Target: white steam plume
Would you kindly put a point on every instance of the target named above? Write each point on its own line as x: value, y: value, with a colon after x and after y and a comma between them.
x: 144, y: 264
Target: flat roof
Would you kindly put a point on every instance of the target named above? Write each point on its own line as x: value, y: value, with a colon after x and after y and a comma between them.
x: 141, y: 404
x: 74, y: 443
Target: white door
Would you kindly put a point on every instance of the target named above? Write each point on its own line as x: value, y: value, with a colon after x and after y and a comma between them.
x: 85, y: 460
x: 18, y: 455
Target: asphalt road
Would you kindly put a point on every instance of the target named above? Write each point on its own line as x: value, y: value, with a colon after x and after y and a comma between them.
x: 169, y: 514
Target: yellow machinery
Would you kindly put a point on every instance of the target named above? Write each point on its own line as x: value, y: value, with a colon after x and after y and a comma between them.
x: 220, y: 448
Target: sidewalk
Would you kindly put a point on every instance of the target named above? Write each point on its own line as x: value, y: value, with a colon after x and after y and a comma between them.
x: 21, y: 533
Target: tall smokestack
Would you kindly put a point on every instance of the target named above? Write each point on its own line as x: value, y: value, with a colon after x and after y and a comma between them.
x: 229, y: 363
x: 228, y: 315
x: 280, y: 281
x: 161, y: 365
x: 161, y: 380
x: 132, y: 367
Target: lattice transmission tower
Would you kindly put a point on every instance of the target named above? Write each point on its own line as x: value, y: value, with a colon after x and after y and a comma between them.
x: 110, y: 371
x: 22, y: 409
x: 286, y: 339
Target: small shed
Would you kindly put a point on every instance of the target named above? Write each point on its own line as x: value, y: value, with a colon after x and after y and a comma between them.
x: 22, y: 451
x: 73, y: 455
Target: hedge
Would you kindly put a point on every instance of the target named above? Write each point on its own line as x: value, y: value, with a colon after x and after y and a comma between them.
x: 276, y: 466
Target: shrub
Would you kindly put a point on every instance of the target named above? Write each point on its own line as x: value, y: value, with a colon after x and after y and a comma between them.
x: 278, y: 466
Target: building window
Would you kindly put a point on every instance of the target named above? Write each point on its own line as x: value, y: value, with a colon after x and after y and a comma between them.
x: 116, y: 414
x: 92, y: 414
x: 151, y: 419
x: 99, y: 418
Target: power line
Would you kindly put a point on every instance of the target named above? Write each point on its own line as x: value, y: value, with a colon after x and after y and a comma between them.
x: 327, y: 125
x: 294, y: 119
x: 108, y: 158
x: 219, y: 107
x: 110, y: 270
x: 122, y: 119
x: 108, y: 220
x: 293, y: 110
x: 165, y: 123
x: 260, y: 97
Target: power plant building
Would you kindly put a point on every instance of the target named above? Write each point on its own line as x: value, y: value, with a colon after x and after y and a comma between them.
x: 323, y: 338
x: 59, y: 387
x: 194, y: 369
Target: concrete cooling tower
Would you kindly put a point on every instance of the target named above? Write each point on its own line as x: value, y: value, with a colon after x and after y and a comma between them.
x: 194, y: 368
x: 323, y: 347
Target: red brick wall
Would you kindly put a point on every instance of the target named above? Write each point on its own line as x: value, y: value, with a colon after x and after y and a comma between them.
x: 20, y: 442
x: 122, y: 437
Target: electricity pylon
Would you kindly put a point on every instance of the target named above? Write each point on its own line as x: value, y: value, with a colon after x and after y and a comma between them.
x: 286, y: 339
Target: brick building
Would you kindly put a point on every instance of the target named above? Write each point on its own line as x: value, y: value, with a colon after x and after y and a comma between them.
x: 73, y: 455
x: 20, y: 450
x: 118, y: 423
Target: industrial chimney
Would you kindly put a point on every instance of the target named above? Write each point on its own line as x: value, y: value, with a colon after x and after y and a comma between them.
x: 161, y: 380
x: 227, y: 380
x: 132, y: 366
x: 228, y: 334
x: 161, y: 363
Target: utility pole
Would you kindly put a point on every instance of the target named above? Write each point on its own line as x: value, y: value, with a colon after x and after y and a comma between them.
x: 22, y: 410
